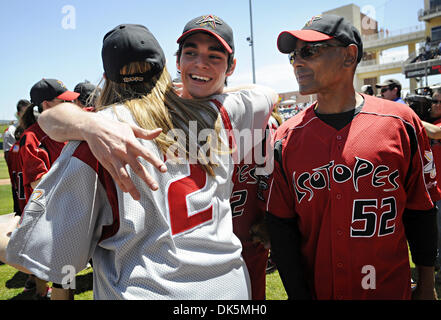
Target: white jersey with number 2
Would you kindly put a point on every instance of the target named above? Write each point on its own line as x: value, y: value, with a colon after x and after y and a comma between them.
x: 174, y: 243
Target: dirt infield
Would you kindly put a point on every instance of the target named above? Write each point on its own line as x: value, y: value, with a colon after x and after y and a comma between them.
x: 4, y: 182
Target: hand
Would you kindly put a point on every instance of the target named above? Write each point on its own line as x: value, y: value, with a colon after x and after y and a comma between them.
x: 419, y: 294
x: 259, y: 234
x: 8, y: 223
x: 425, y: 289
x: 114, y: 145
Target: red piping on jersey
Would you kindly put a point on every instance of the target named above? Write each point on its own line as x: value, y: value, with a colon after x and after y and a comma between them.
x: 84, y: 154
x: 227, y: 124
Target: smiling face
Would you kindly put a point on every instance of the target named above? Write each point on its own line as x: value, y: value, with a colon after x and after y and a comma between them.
x: 203, y: 64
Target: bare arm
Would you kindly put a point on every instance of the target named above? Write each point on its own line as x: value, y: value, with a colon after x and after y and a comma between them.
x: 433, y: 131
x: 35, y: 183
x: 113, y: 143
x: 425, y: 289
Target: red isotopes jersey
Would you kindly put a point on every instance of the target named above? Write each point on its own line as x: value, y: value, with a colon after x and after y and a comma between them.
x: 37, y: 153
x: 348, y: 189
x: 246, y: 213
x: 16, y: 174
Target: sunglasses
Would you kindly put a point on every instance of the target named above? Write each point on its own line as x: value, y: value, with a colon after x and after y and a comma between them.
x: 383, y: 90
x: 310, y: 50
x: 436, y: 101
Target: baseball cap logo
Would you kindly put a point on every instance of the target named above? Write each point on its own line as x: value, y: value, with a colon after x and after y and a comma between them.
x: 314, y: 18
x: 36, y: 194
x: 210, y: 21
x: 61, y: 84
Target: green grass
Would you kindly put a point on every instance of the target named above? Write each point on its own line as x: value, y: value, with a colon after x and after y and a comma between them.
x: 2, y: 130
x: 12, y: 284
x: 274, y: 287
x: 4, y: 174
x: 6, y: 202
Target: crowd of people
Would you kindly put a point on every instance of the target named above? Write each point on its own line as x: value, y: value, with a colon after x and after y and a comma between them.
x: 155, y: 184
x: 430, y: 50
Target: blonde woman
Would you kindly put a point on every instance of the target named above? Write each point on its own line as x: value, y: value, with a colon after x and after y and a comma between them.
x: 173, y: 243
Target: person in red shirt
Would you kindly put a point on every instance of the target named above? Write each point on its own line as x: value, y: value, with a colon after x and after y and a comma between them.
x: 37, y: 152
x: 354, y: 181
x: 88, y: 95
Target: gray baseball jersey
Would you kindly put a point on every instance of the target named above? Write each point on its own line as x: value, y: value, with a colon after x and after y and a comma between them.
x: 174, y: 243
x: 8, y: 137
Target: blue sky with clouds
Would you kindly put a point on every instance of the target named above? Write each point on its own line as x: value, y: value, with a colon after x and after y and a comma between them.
x: 62, y: 38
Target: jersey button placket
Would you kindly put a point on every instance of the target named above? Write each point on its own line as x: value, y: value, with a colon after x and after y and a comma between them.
x: 339, y: 238
x: 339, y: 143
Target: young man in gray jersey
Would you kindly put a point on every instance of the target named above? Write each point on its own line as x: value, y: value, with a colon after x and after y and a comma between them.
x: 205, y: 59
x: 239, y: 113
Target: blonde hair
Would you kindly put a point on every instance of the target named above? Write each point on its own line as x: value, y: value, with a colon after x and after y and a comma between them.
x: 276, y: 115
x: 155, y: 104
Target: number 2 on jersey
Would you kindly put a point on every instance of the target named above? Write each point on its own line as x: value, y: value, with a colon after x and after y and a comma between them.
x: 178, y: 191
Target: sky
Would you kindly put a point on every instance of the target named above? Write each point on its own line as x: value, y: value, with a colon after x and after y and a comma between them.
x: 62, y: 39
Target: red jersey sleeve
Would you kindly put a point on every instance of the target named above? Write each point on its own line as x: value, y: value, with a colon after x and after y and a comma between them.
x: 278, y: 191
x: 35, y: 159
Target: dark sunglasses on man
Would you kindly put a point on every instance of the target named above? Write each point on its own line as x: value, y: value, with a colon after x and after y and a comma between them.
x: 384, y: 89
x: 310, y: 51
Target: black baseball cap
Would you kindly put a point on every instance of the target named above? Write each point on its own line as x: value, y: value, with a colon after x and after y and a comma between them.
x: 388, y: 83
x: 85, y: 89
x: 22, y: 103
x: 128, y: 43
x: 322, y: 28
x: 212, y: 25
x: 49, y: 89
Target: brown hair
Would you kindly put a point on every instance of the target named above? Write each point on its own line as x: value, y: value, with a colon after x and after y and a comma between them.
x: 26, y: 120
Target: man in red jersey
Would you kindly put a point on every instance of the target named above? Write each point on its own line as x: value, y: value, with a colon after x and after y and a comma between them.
x: 353, y: 182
